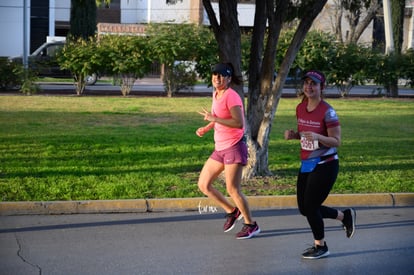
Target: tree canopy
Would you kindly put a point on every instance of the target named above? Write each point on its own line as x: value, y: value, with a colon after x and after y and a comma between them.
x: 82, y: 18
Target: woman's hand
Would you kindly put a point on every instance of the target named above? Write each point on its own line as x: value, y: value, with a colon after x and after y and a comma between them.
x: 290, y: 134
x: 201, y: 131
x: 207, y: 115
x: 332, y: 140
x: 311, y: 136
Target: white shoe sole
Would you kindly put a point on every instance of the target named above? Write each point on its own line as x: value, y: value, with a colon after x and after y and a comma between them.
x: 255, y: 233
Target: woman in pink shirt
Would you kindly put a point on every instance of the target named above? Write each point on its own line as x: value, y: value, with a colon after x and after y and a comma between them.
x: 230, y: 152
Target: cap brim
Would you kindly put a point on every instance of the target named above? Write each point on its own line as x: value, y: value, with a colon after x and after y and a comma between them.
x: 221, y: 69
x: 314, y: 79
x: 223, y: 73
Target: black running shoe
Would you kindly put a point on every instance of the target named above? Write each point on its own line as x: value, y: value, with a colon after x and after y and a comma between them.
x: 316, y: 252
x: 349, y: 222
x: 231, y: 219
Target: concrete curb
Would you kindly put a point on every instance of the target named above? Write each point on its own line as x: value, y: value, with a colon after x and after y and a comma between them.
x: 194, y: 204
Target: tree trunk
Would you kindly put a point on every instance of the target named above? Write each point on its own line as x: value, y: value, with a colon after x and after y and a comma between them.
x: 227, y: 34
x: 266, y: 98
x: 79, y: 83
x: 261, y: 71
x: 370, y: 15
x: 394, y: 89
x: 357, y: 25
x: 397, y: 10
x: 338, y: 21
x: 166, y: 78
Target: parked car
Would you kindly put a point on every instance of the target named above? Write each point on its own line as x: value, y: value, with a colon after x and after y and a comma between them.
x: 292, y: 79
x: 44, y: 62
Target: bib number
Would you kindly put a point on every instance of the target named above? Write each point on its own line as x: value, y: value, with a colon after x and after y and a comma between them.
x: 308, y: 145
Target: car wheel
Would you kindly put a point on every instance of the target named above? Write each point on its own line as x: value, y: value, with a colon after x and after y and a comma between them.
x: 91, y: 79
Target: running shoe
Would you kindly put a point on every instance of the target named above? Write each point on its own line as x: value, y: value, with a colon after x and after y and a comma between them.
x: 349, y: 222
x: 232, y: 218
x: 316, y: 252
x: 248, y: 231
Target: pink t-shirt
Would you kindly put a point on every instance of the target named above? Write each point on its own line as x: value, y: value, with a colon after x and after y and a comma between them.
x: 224, y: 136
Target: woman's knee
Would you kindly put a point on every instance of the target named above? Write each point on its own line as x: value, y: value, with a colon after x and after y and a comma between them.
x: 307, y: 210
x: 301, y: 206
x: 204, y: 186
x: 302, y: 211
x: 233, y: 191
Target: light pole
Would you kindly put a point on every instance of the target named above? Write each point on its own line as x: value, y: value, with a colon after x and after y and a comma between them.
x: 389, y: 39
x: 25, y: 33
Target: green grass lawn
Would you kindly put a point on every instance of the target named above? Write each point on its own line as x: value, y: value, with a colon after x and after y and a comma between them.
x: 75, y: 148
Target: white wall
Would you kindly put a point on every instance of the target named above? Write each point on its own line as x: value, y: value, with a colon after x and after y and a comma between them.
x: 155, y: 11
x: 245, y: 14
x: 11, y: 24
x: 62, y: 11
x: 11, y: 27
x: 178, y: 13
x: 134, y: 11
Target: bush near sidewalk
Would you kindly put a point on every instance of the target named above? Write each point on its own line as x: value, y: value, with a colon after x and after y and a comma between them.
x: 10, y: 77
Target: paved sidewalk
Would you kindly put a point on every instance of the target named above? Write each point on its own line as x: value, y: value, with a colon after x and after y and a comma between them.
x: 191, y: 242
x: 194, y: 204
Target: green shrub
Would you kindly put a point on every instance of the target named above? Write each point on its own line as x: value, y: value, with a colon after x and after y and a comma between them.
x: 126, y: 58
x: 79, y: 56
x: 29, y: 85
x: 10, y: 74
x: 408, y: 67
x: 181, y: 77
x: 187, y: 42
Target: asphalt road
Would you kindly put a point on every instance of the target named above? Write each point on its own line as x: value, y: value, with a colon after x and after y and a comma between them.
x: 154, y: 86
x: 192, y: 242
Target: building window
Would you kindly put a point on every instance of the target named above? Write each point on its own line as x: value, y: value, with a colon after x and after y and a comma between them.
x: 172, y: 2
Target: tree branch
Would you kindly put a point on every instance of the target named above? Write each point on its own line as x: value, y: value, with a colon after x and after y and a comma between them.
x: 371, y: 13
x: 211, y: 16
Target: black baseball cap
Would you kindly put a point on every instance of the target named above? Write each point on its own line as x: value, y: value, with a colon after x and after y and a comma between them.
x: 222, y: 68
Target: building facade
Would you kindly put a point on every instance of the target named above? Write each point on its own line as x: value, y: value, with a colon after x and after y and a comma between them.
x: 49, y: 18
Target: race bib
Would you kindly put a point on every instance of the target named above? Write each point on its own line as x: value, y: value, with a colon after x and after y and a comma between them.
x: 308, y: 145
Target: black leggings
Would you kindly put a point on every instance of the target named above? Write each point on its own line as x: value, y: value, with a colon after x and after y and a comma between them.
x: 312, y: 190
